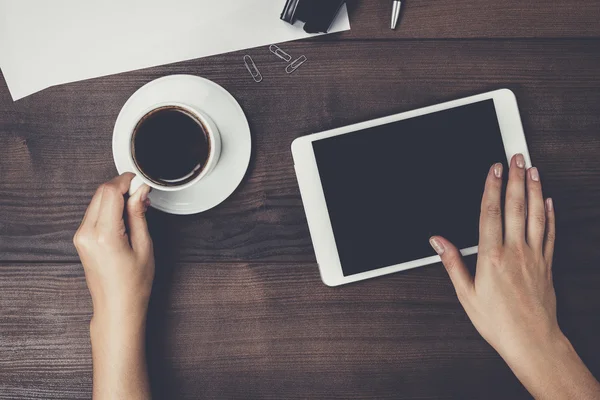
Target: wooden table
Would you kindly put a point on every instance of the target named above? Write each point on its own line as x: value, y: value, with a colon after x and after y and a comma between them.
x: 238, y: 309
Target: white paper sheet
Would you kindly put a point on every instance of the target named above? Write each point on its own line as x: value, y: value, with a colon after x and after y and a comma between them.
x: 46, y: 43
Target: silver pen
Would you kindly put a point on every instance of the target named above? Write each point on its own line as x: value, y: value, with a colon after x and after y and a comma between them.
x: 395, y: 13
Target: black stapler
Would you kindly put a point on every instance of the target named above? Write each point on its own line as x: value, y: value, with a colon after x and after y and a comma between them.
x: 317, y: 15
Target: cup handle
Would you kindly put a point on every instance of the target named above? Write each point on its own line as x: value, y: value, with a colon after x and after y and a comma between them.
x: 135, y: 185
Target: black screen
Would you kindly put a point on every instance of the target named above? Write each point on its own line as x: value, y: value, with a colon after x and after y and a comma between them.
x: 390, y: 188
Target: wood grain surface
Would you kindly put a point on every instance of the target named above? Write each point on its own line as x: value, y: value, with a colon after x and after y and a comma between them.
x: 434, y: 19
x: 238, y: 309
x: 57, y: 144
x: 273, y: 331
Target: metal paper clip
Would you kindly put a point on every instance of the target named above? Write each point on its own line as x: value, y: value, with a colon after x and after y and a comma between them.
x: 280, y: 53
x: 251, y: 67
x: 295, y: 64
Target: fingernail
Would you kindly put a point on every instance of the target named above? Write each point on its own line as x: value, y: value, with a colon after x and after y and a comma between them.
x: 498, y: 170
x: 520, y: 160
x: 437, y: 246
x: 535, y: 175
x: 549, y: 205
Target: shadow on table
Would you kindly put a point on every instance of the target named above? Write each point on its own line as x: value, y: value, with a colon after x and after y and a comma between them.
x: 352, y: 5
x: 162, y: 375
x: 167, y: 247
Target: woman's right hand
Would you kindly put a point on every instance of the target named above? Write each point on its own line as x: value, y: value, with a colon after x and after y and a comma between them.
x: 511, y: 300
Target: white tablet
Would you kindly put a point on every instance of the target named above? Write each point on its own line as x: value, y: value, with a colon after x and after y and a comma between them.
x: 375, y: 192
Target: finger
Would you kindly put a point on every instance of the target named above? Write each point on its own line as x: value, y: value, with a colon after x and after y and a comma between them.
x: 91, y: 214
x: 550, y: 237
x: 112, y: 205
x: 136, y: 219
x: 515, y: 201
x: 536, y: 213
x: 451, y: 258
x: 490, y: 220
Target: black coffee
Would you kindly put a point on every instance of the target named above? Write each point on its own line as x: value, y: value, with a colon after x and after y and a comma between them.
x: 170, y: 146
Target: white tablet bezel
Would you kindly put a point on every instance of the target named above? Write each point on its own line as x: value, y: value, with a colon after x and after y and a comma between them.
x: 313, y: 197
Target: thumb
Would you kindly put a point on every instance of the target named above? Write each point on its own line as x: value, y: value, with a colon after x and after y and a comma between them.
x: 136, y: 218
x: 451, y: 258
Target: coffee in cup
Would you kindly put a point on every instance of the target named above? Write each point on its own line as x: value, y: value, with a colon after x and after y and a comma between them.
x: 173, y: 146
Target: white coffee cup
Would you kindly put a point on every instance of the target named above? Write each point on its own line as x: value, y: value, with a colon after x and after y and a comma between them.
x: 214, y: 140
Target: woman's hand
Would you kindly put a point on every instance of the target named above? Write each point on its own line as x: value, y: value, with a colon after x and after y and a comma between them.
x: 511, y: 300
x: 117, y: 256
x: 116, y: 250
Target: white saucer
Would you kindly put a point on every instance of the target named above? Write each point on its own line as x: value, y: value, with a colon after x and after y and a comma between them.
x: 227, y: 114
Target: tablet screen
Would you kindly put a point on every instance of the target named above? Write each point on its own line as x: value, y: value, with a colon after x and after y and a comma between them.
x: 389, y: 188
